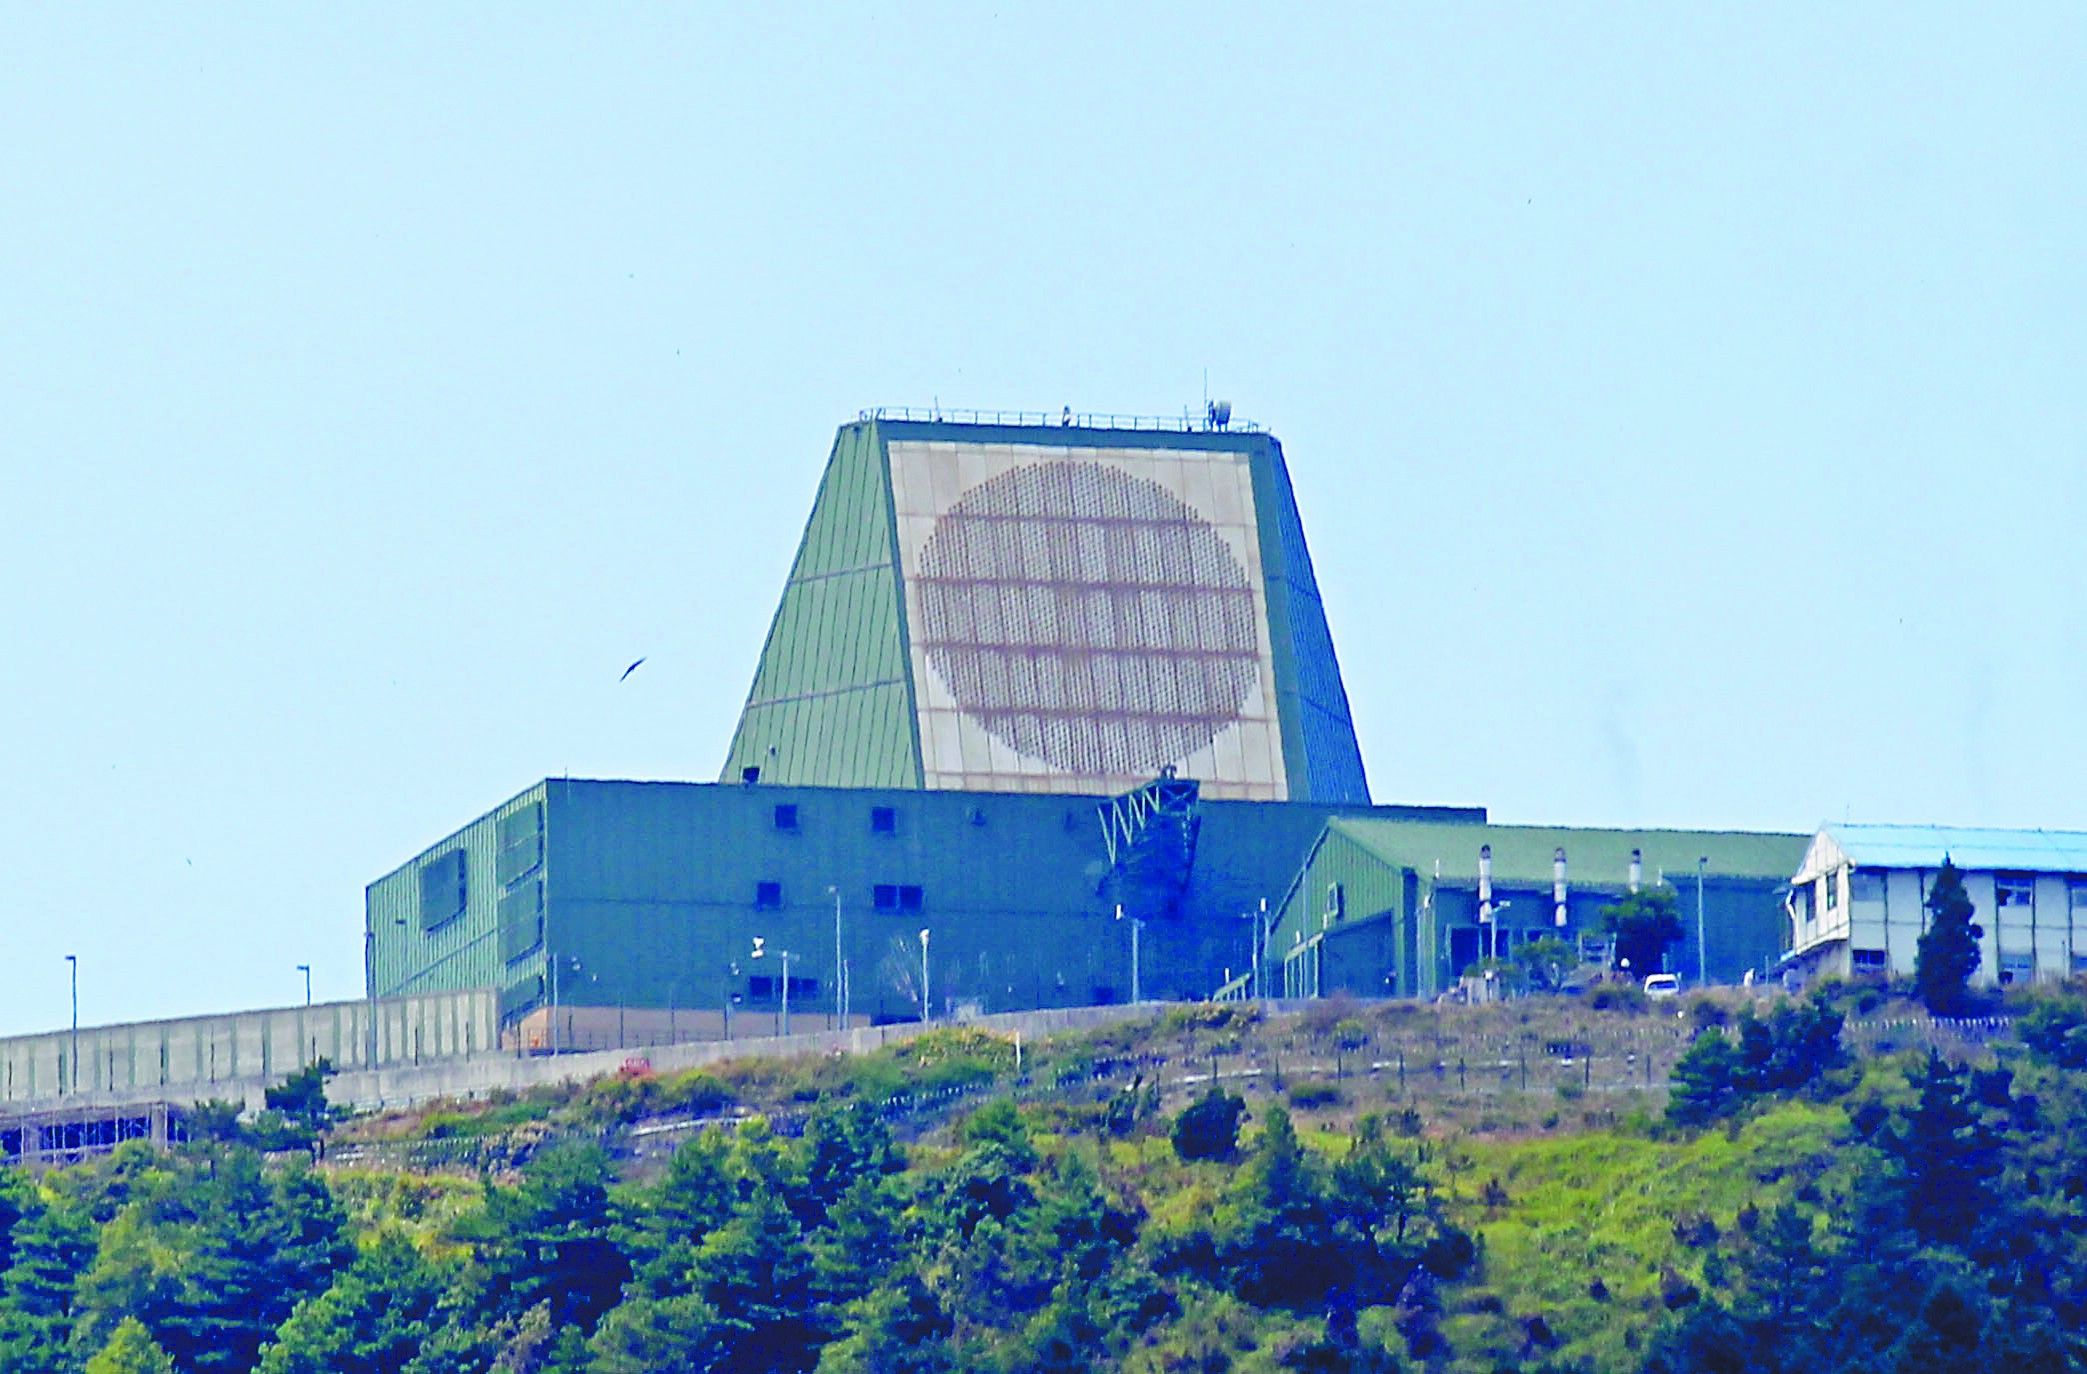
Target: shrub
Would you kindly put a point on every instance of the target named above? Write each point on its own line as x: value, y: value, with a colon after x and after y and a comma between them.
x: 1208, y: 1128
x: 1306, y: 1096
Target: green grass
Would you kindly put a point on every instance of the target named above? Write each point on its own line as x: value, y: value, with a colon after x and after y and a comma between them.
x: 1603, y: 1205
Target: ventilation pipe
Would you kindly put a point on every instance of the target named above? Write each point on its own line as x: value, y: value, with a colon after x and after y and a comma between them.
x: 1637, y: 869
x: 1485, y: 882
x: 1558, y: 886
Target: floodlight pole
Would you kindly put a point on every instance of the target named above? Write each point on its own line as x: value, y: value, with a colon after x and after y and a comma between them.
x: 1702, y: 955
x: 924, y: 1014
x: 306, y: 970
x: 840, y: 1005
x: 74, y: 961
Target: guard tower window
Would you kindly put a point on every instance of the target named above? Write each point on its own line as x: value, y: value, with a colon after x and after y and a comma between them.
x: 786, y: 817
x: 884, y: 820
x: 768, y: 896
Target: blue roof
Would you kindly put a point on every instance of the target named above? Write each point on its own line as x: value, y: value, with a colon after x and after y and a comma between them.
x: 1922, y: 846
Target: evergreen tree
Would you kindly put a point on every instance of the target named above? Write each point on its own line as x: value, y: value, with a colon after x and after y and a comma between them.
x: 1947, y: 1155
x: 1704, y: 1085
x: 53, y: 1244
x: 547, y: 1241
x: 1947, y: 954
x: 131, y: 1350
x: 659, y: 1226
x: 755, y: 1272
x: 377, y: 1315
x: 649, y: 1335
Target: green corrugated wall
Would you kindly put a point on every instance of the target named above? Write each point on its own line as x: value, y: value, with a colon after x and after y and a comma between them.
x: 832, y: 702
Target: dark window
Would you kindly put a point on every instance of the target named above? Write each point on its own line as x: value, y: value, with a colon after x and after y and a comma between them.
x: 521, y: 921
x: 769, y: 989
x: 750, y: 774
x: 897, y: 897
x: 786, y: 817
x: 768, y: 895
x: 2014, y: 889
x: 442, y: 889
x: 520, y: 835
x: 884, y: 820
x: 1871, y: 959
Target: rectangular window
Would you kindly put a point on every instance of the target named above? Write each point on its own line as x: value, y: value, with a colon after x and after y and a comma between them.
x: 768, y: 896
x: 1866, y: 885
x: 2014, y: 889
x: 1833, y: 891
x: 520, y: 838
x: 2076, y: 889
x: 896, y: 897
x: 786, y: 817
x: 521, y: 921
x: 2016, y: 968
x: 442, y: 890
x: 1869, y: 960
x: 884, y: 820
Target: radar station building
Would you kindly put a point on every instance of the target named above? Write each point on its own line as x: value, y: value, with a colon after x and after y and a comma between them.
x: 1055, y: 696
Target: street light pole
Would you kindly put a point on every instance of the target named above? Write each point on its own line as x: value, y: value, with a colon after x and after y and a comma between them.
x: 306, y: 970
x: 369, y: 988
x: 761, y: 952
x: 1702, y: 955
x: 74, y: 1070
x: 840, y: 1005
x: 1136, y: 925
x: 924, y: 1015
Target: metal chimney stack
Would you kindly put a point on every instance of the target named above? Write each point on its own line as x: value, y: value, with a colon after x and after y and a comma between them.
x: 1558, y: 886
x: 1485, y: 882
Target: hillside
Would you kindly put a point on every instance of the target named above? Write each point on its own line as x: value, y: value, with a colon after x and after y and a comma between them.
x: 1362, y: 1187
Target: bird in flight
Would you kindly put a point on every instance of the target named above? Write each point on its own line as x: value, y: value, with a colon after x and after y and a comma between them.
x: 632, y: 669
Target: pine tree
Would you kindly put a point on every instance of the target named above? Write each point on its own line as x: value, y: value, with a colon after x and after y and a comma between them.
x: 1703, y: 1087
x: 1947, y: 955
x: 1947, y: 1155
x: 53, y: 1244
x: 375, y: 1317
x: 131, y: 1350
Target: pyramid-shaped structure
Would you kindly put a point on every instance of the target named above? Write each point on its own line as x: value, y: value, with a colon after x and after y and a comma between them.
x: 1052, y: 608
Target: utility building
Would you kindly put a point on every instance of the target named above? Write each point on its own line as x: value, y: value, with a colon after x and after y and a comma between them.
x: 1393, y: 907
x: 1858, y: 901
x: 1052, y: 607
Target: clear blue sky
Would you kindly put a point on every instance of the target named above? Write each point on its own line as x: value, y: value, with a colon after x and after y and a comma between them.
x: 1685, y: 403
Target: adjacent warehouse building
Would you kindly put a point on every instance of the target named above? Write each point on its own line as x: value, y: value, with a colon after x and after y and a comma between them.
x: 1858, y: 902
x: 1386, y: 906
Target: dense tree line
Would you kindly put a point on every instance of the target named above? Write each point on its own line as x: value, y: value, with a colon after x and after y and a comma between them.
x: 749, y: 1252
x: 1961, y: 1246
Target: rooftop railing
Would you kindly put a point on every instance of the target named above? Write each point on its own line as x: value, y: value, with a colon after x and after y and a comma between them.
x: 1211, y: 421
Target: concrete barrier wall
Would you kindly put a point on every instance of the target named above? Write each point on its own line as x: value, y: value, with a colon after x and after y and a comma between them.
x: 235, y: 1055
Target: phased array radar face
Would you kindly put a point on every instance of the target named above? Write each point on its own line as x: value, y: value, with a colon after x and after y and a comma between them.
x: 1086, y: 617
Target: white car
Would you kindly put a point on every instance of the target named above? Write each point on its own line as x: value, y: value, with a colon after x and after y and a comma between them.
x: 1659, y: 986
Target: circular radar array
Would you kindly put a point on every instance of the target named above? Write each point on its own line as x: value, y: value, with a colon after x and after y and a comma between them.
x: 1088, y: 617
